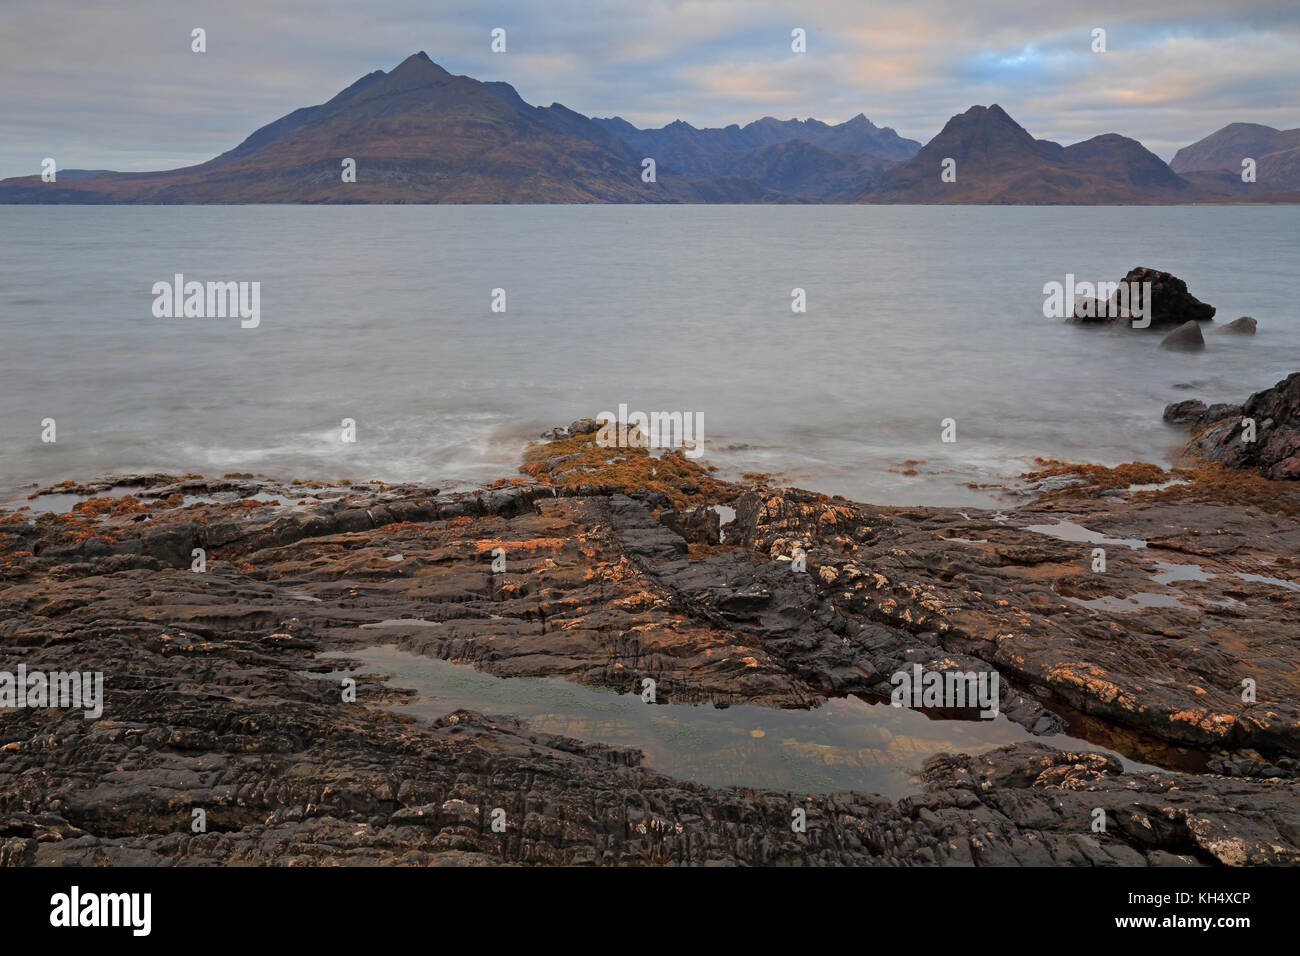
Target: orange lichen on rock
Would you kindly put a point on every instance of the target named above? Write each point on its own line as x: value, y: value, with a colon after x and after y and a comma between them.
x: 1207, y: 482
x: 96, y: 507
x: 1093, y: 479
x: 532, y: 544
x: 1215, y: 483
x: 579, y: 460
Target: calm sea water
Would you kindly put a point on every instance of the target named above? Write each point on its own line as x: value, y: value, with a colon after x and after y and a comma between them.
x: 382, y: 315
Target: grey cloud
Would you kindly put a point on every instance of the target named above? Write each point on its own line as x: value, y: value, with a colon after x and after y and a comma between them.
x: 101, y: 84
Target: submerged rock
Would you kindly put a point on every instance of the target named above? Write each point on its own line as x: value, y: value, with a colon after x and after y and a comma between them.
x: 1196, y: 414
x: 1242, y: 326
x: 1187, y: 337
x: 1091, y: 310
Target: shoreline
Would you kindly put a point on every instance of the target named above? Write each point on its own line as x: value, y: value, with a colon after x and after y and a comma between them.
x: 615, y: 570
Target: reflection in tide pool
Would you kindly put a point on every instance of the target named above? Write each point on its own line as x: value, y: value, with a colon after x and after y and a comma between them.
x: 846, y: 744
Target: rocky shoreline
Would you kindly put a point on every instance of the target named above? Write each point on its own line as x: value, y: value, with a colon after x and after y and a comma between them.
x: 608, y: 566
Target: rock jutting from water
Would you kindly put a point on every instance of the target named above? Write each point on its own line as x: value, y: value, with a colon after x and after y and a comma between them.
x: 1242, y: 326
x: 1170, y: 303
x: 1262, y: 433
x: 1186, y: 338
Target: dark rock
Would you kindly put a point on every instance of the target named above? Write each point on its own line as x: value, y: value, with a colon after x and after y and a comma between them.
x: 1275, y: 450
x: 1185, y: 412
x: 1171, y: 304
x: 699, y: 525
x: 897, y: 570
x: 210, y: 702
x: 744, y: 600
x: 1195, y: 415
x: 1219, y: 411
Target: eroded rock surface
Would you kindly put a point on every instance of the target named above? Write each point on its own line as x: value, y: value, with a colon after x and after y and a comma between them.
x: 211, y: 703
x: 1262, y: 433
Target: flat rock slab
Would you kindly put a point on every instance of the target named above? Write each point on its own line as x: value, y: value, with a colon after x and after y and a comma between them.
x: 210, y: 703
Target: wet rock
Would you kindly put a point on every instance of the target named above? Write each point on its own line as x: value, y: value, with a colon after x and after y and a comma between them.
x: 1187, y: 338
x: 699, y: 525
x: 747, y: 600
x: 215, y: 698
x: 1185, y: 412
x: 1089, y: 310
x: 583, y: 426
x: 1171, y: 303
x: 1264, y: 433
x: 1195, y: 414
x: 1242, y: 326
x: 897, y: 569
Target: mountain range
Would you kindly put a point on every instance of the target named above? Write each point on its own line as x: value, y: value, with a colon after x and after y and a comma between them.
x: 1218, y: 157
x: 419, y: 134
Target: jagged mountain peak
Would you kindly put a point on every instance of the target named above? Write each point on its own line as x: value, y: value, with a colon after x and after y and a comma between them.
x: 417, y: 63
x: 985, y: 130
x: 415, y: 71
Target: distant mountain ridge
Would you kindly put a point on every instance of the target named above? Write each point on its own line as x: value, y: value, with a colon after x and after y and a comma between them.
x: 796, y: 157
x: 996, y: 160
x: 681, y: 144
x: 1276, y: 154
x: 419, y: 134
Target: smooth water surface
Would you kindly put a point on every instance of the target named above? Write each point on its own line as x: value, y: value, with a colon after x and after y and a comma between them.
x: 845, y: 744
x: 382, y: 314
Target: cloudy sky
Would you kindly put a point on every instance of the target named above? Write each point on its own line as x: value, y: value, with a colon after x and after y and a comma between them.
x: 113, y: 83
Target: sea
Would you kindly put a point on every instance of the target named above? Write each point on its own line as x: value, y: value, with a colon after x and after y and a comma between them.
x: 451, y: 336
